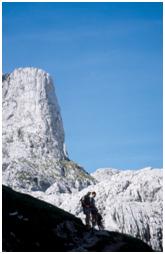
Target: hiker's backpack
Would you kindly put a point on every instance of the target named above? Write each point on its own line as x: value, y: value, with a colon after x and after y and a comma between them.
x: 85, y: 201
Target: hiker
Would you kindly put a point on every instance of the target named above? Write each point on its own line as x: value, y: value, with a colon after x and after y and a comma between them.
x: 86, y: 204
x: 94, y: 209
x: 97, y: 219
x: 91, y: 211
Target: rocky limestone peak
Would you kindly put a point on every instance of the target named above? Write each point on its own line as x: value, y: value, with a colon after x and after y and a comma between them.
x: 34, y: 153
x: 32, y: 124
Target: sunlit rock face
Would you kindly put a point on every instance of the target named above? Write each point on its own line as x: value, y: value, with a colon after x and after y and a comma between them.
x: 130, y: 201
x: 32, y: 124
x: 34, y: 153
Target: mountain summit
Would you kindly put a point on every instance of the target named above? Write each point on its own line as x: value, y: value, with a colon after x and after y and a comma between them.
x: 31, y: 115
x: 34, y: 152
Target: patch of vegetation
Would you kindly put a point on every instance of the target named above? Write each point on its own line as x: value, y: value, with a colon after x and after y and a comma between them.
x: 23, y: 175
x: 78, y: 170
x: 28, y: 162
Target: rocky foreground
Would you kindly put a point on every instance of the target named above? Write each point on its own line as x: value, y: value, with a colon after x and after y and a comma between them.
x: 130, y: 202
x: 33, y: 225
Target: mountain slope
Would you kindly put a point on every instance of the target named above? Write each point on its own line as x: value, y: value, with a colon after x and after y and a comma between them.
x: 33, y: 225
x: 130, y: 202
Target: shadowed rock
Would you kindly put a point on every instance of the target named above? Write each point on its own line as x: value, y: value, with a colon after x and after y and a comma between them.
x: 33, y: 225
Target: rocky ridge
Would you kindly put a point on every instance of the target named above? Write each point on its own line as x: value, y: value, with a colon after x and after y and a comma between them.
x: 130, y: 202
x: 33, y: 225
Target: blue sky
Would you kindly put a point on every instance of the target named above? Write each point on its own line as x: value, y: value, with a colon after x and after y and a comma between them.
x: 106, y: 61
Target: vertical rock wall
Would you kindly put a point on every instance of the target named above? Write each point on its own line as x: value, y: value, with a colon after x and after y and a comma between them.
x: 34, y: 154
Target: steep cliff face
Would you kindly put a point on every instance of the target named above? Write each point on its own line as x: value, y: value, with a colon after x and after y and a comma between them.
x: 32, y: 124
x: 34, y: 153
